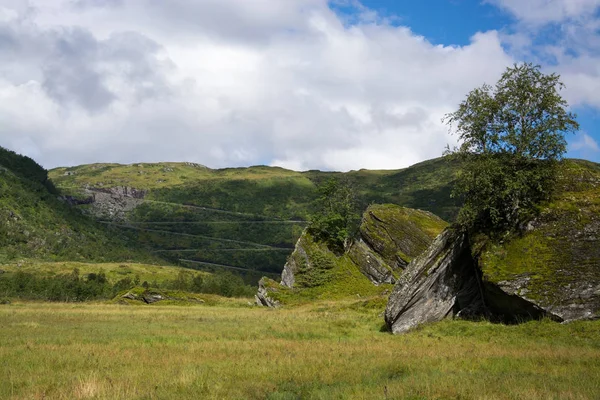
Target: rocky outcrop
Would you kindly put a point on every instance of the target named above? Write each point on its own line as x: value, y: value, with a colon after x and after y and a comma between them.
x: 262, y: 296
x: 551, y: 269
x: 438, y: 284
x: 110, y: 203
x: 399, y: 234
x: 389, y: 237
x: 555, y: 263
x: 292, y: 266
x: 370, y: 263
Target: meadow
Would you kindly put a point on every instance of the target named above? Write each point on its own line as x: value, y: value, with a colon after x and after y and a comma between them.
x: 322, y: 350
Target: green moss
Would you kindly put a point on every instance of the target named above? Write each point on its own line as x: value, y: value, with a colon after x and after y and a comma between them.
x: 401, y: 232
x: 563, y: 248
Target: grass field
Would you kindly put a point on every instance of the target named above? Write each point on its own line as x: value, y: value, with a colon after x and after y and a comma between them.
x: 323, y: 351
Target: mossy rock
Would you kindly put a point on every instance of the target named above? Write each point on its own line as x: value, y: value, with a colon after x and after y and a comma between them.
x: 556, y: 263
x: 390, y: 237
x: 388, y: 233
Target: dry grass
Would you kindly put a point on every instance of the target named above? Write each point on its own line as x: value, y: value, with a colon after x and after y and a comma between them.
x: 321, y: 351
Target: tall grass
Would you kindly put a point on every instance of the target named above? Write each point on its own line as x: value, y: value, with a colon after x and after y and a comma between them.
x: 326, y: 350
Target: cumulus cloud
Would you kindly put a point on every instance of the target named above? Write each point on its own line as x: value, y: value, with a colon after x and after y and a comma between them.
x: 547, y: 11
x: 235, y: 82
x: 227, y: 82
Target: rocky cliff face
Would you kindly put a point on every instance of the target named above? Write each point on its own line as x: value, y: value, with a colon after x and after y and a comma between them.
x: 440, y: 283
x: 551, y: 270
x: 110, y: 203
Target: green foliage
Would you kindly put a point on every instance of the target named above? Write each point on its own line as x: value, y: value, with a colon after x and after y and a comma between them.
x: 511, y: 137
x: 73, y: 287
x: 319, y: 272
x: 501, y: 192
x: 23, y: 166
x: 67, y: 287
x: 336, y: 218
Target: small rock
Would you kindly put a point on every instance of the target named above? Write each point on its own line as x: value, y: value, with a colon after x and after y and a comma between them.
x: 150, y: 298
x: 130, y: 296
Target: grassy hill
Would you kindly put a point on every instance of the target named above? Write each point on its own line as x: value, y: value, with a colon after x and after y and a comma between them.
x: 35, y: 224
x: 241, y: 218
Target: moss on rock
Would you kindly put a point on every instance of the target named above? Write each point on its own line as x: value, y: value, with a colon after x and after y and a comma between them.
x: 556, y: 262
x: 399, y: 234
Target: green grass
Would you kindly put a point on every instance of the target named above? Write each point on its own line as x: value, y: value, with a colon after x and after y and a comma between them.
x: 328, y: 350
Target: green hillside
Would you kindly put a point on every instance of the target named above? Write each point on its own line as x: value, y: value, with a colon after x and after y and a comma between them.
x: 34, y: 223
x: 247, y: 218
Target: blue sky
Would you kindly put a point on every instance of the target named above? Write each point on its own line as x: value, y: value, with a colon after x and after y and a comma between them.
x: 454, y: 22
x: 302, y: 84
x: 447, y: 22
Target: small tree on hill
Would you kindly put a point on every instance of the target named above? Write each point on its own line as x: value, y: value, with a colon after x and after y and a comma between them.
x: 336, y: 217
x: 511, y: 136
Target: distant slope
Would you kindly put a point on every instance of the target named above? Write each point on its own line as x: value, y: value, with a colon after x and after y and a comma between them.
x: 246, y: 218
x: 35, y: 224
x: 271, y: 191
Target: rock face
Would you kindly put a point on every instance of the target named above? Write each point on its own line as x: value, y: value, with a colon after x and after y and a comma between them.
x: 389, y: 237
x: 262, y: 296
x: 399, y: 234
x: 440, y: 283
x: 110, y: 203
x: 293, y: 264
x: 370, y: 263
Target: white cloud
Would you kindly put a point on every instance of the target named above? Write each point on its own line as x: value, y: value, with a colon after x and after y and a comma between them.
x: 227, y: 82
x: 547, y: 11
x: 585, y: 144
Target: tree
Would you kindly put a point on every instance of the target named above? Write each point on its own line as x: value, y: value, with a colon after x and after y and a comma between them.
x: 511, y: 137
x: 336, y: 217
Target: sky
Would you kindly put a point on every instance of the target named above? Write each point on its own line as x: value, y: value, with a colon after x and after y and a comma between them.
x: 301, y: 84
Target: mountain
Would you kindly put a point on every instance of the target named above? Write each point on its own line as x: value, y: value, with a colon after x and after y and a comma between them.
x: 235, y: 218
x: 34, y: 223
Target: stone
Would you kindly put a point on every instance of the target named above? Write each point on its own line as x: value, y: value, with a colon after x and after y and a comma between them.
x: 262, y: 296
x: 151, y: 298
x: 441, y: 283
x: 130, y: 296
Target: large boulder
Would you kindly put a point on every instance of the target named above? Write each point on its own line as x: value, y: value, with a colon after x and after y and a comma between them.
x: 555, y: 263
x: 398, y: 234
x: 551, y: 269
x: 440, y: 283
